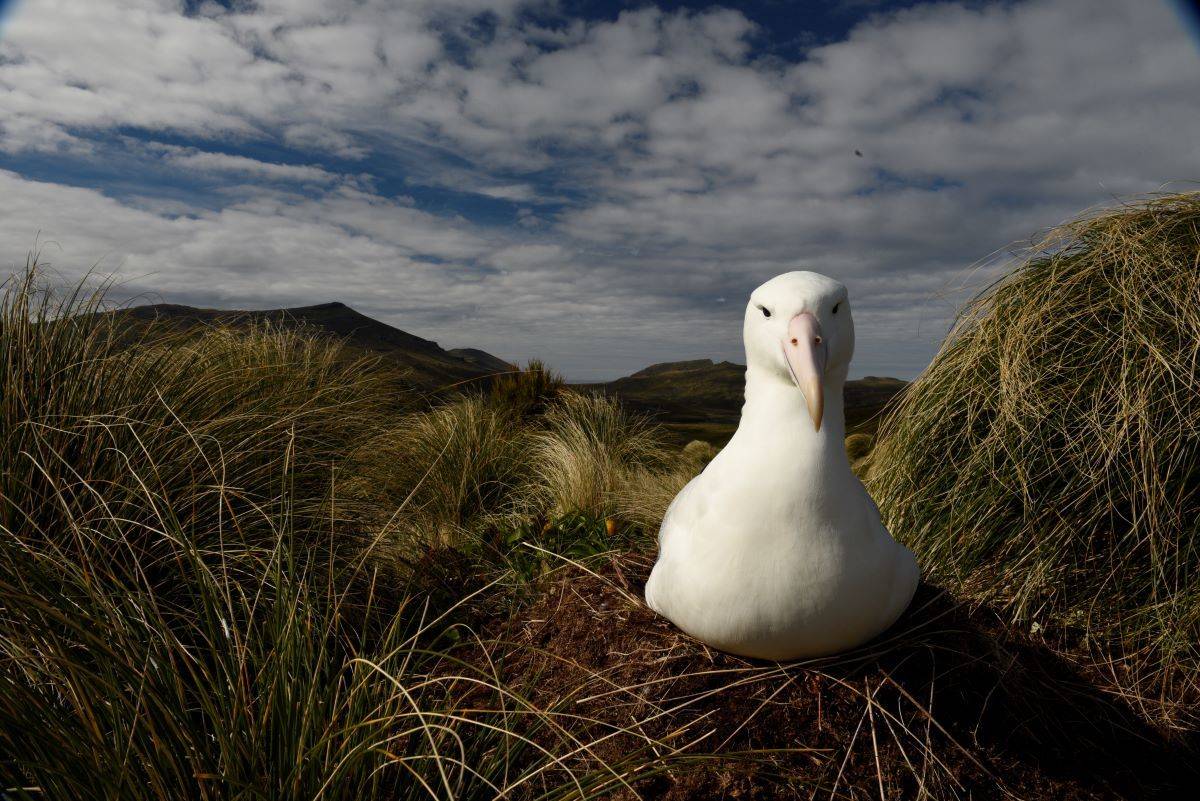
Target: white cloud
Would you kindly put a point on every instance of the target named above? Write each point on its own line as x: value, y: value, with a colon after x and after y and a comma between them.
x: 208, y: 161
x: 517, y: 257
x: 659, y: 162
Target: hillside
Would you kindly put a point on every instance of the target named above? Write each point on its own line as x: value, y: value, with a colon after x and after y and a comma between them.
x: 703, y: 399
x: 424, y: 361
x: 693, y: 399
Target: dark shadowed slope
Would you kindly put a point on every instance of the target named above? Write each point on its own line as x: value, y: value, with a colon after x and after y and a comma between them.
x: 426, y: 364
x: 481, y: 359
x: 703, y: 399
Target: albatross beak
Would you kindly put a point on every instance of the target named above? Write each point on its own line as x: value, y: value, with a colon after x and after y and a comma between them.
x: 805, y: 351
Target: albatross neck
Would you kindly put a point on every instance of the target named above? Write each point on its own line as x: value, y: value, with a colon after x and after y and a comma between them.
x: 777, y: 409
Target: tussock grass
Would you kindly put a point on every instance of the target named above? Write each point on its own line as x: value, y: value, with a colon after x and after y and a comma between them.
x: 582, y: 452
x: 443, y: 473
x: 256, y: 671
x: 237, y: 565
x: 700, y: 452
x: 521, y: 456
x: 187, y: 610
x: 858, y: 446
x: 644, y: 493
x: 246, y: 671
x: 83, y: 406
x: 1049, y: 457
x: 527, y: 391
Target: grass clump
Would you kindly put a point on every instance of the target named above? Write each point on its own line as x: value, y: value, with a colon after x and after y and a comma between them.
x: 444, y: 473
x: 84, y: 405
x: 645, y: 492
x: 700, y: 452
x: 1049, y: 457
x: 858, y: 446
x: 583, y: 450
x: 189, y: 610
x: 528, y: 391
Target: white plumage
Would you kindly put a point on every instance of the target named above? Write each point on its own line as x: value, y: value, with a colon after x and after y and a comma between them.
x: 776, y: 550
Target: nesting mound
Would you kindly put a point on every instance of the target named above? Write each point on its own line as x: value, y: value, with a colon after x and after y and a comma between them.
x: 1049, y: 457
x: 948, y: 704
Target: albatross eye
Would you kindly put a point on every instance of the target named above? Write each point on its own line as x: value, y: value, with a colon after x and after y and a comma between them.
x: 837, y: 306
x: 766, y: 312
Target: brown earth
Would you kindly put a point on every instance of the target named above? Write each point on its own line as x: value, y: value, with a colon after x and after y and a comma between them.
x: 950, y: 703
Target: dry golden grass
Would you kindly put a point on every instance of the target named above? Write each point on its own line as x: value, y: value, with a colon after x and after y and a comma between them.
x: 582, y: 450
x: 441, y: 474
x: 1049, y: 458
x: 858, y: 446
x: 642, y: 494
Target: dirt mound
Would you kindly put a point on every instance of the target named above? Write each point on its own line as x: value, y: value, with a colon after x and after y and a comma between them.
x: 949, y: 704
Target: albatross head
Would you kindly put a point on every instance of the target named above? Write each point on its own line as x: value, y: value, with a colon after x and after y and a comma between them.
x: 798, y: 330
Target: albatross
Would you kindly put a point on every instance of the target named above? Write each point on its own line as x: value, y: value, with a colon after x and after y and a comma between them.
x: 776, y: 551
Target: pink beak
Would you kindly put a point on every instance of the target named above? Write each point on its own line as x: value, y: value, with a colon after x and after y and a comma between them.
x: 805, y: 351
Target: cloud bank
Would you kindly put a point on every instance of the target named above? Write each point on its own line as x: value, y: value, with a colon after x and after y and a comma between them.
x: 604, y: 192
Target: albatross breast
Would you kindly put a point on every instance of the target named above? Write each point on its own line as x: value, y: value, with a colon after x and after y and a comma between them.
x: 776, y: 550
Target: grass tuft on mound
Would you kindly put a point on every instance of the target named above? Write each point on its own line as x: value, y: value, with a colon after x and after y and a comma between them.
x: 87, y: 402
x: 440, y: 474
x: 1049, y: 458
x: 585, y: 447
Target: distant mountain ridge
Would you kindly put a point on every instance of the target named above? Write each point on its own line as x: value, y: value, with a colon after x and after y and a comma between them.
x: 703, y: 398
x: 663, y: 368
x: 694, y: 398
x: 427, y: 363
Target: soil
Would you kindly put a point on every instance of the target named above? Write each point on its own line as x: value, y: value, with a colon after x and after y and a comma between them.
x: 961, y: 706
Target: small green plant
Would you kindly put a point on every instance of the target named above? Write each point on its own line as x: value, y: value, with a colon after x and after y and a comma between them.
x: 533, y: 549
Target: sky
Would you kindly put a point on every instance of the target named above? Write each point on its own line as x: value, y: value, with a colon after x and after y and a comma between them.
x: 599, y: 184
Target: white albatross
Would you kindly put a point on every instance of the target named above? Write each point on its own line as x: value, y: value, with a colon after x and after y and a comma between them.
x: 776, y: 551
